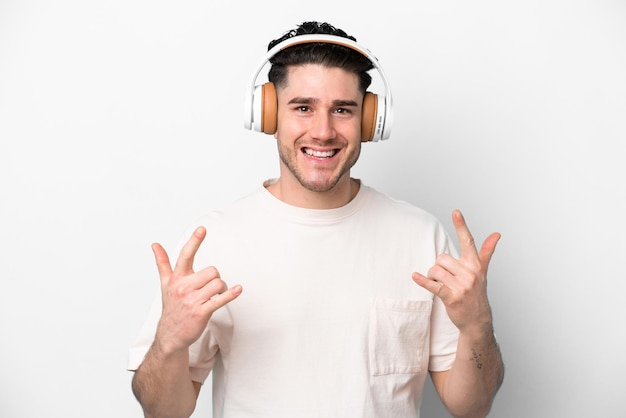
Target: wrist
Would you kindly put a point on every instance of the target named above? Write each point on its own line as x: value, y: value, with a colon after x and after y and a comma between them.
x: 479, y: 334
x: 164, y: 349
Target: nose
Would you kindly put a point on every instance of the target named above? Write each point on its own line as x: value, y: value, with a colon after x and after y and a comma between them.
x: 322, y: 126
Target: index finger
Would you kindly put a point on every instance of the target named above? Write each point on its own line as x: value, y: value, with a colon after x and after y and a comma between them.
x: 184, y: 263
x: 466, y: 240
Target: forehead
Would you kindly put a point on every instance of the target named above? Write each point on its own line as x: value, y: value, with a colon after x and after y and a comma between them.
x: 318, y: 79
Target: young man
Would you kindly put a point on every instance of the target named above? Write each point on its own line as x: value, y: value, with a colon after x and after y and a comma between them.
x: 345, y: 299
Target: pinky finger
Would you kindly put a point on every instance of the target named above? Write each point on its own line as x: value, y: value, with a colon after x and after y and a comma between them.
x: 222, y: 299
x: 431, y: 285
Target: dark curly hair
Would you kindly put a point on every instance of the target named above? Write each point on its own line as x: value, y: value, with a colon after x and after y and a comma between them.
x: 327, y: 54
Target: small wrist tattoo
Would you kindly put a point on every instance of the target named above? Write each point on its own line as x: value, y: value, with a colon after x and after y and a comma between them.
x: 476, y: 359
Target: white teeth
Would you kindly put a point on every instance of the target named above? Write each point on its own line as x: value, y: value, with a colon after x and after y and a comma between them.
x: 319, y: 154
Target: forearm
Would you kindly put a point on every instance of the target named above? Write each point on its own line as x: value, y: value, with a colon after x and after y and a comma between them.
x: 476, y: 375
x: 163, y: 386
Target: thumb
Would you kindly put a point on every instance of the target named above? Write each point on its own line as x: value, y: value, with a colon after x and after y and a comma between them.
x: 162, y: 262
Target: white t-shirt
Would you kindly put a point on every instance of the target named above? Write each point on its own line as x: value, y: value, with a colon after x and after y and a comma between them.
x: 330, y: 323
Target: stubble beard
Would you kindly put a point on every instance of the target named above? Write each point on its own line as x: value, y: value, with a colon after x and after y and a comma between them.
x: 289, y: 160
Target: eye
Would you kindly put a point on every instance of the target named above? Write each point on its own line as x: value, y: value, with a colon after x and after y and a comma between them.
x: 303, y: 108
x: 343, y: 111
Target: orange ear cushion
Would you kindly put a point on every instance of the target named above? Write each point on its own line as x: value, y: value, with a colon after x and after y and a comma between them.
x: 368, y: 116
x: 269, y: 112
x: 269, y: 109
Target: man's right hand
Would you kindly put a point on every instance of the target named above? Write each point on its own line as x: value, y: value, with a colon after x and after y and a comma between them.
x: 189, y: 298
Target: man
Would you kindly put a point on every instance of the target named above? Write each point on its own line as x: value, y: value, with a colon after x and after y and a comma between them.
x: 330, y: 323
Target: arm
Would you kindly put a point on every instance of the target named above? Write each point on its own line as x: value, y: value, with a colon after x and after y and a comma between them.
x: 469, y: 387
x: 162, y: 384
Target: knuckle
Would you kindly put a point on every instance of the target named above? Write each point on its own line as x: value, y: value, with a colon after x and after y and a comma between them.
x: 441, y: 258
x: 475, y: 268
x: 435, y: 271
x: 432, y: 271
x: 218, y: 286
x: 180, y: 291
x: 213, y: 272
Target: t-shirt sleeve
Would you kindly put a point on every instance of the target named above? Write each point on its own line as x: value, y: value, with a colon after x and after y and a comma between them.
x: 444, y: 338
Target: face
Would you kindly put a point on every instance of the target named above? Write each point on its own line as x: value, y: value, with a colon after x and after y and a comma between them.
x: 319, y: 128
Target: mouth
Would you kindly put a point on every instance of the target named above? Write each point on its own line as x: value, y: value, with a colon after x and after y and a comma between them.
x: 318, y: 154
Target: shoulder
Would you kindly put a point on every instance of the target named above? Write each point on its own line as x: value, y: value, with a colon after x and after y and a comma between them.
x: 384, y: 203
x: 242, y: 206
x: 403, y: 220
x: 232, y: 213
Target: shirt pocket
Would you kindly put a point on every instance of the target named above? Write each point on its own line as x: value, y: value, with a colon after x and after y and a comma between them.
x: 399, y: 335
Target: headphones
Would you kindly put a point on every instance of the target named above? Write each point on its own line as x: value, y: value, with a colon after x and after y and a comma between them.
x: 261, y: 105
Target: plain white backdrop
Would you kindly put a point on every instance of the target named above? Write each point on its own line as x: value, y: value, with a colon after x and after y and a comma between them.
x: 121, y: 122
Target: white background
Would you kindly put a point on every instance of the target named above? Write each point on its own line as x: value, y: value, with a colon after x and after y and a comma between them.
x: 121, y: 122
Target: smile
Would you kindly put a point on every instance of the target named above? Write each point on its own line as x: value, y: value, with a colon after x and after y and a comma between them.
x: 319, y: 154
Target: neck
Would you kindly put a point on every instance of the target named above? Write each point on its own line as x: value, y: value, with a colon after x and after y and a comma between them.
x: 296, y: 195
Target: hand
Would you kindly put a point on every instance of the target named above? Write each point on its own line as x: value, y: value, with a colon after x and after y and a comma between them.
x: 189, y: 298
x: 462, y: 284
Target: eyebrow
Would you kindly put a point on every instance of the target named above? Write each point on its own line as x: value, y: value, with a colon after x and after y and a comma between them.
x: 310, y: 100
